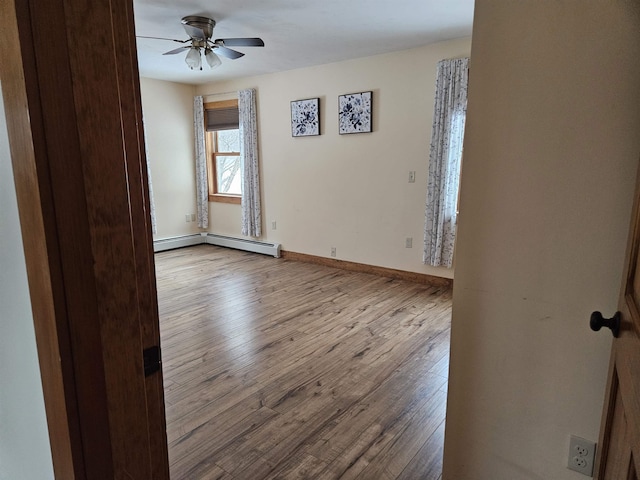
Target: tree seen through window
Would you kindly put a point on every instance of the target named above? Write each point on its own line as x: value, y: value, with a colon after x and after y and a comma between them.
x: 227, y: 162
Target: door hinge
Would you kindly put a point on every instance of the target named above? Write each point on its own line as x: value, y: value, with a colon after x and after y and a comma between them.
x: 152, y: 360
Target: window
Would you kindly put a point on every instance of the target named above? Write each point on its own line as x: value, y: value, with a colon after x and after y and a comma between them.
x: 222, y: 142
x: 224, y: 163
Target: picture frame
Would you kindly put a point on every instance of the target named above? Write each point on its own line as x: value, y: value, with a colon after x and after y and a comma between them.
x: 355, y: 113
x: 305, y: 117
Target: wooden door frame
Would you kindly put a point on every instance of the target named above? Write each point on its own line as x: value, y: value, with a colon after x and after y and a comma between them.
x: 72, y: 102
x: 620, y: 361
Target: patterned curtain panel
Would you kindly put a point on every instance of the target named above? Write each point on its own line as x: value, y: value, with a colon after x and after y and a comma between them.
x: 202, y: 187
x: 152, y: 205
x: 444, y: 161
x: 251, y: 209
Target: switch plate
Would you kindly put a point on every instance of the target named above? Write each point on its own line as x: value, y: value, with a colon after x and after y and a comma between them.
x: 193, y: 217
x: 412, y: 176
x: 582, y: 454
x: 187, y: 218
x: 273, y: 225
x: 333, y: 251
x: 408, y: 243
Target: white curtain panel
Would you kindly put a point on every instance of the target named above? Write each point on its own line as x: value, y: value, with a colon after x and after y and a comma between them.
x: 251, y: 208
x: 202, y: 187
x: 444, y: 161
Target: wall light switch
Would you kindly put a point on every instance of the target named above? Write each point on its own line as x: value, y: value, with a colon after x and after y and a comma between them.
x: 412, y: 177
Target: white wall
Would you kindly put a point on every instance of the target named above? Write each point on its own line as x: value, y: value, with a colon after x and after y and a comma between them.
x: 347, y: 191
x: 168, y: 117
x: 24, y: 438
x: 551, y: 151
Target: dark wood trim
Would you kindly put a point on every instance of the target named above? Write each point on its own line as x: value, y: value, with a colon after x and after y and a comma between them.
x: 421, y: 278
x: 141, y: 229
x: 30, y: 110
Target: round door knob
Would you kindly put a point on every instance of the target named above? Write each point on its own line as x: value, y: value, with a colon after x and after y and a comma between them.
x: 597, y: 321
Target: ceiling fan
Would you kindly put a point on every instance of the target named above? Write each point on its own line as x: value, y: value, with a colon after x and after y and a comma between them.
x: 200, y: 30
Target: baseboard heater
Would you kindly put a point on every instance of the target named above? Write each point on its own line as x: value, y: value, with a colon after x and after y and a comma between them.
x: 255, y: 246
x: 177, y: 242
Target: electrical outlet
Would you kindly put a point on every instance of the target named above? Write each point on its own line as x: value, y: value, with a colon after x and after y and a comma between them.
x: 187, y: 218
x: 333, y: 251
x: 408, y: 243
x: 582, y: 454
x: 412, y: 177
x: 273, y: 225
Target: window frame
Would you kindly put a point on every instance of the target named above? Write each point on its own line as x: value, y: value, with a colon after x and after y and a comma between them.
x: 211, y: 149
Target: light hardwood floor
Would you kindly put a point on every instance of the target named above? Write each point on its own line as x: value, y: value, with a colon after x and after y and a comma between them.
x: 280, y: 369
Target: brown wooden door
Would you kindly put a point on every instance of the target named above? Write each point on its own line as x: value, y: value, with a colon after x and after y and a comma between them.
x: 619, y: 456
x: 72, y: 102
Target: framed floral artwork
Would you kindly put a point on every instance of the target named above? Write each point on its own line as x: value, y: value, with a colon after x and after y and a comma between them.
x: 354, y: 113
x: 305, y: 117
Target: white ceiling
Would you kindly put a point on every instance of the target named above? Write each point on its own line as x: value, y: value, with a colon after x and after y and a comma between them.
x: 297, y: 33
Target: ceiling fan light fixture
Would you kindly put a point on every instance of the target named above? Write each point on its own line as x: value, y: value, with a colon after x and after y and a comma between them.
x: 212, y: 59
x: 199, y: 29
x: 193, y: 59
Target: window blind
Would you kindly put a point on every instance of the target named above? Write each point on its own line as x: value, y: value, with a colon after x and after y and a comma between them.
x: 221, y: 119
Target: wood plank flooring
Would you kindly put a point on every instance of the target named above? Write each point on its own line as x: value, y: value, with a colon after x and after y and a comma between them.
x: 276, y: 369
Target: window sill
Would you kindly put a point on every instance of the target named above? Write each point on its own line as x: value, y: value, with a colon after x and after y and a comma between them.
x: 221, y: 197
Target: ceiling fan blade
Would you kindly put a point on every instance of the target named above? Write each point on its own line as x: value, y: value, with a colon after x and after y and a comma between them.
x: 227, y: 52
x: 194, y: 32
x: 163, y: 38
x: 241, y: 42
x: 177, y: 50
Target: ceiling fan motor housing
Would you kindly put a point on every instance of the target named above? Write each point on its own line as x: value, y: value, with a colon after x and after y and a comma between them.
x: 203, y: 23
